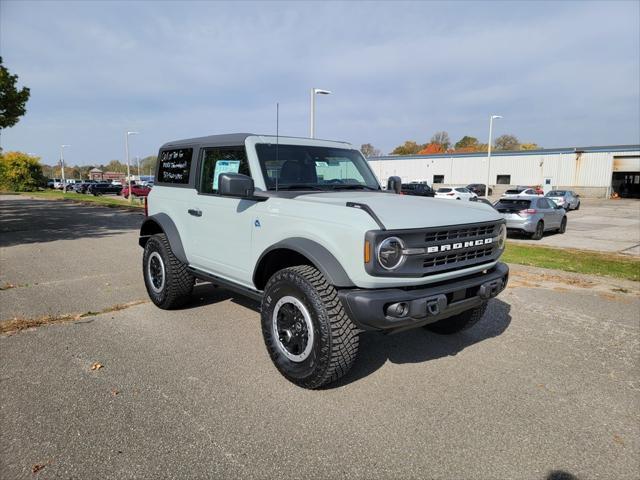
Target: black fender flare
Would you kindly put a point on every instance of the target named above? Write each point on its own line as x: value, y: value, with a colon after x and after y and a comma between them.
x: 321, y: 258
x: 150, y: 227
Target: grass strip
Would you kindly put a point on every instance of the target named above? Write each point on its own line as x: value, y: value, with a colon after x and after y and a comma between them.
x: 577, y: 261
x: 109, y: 201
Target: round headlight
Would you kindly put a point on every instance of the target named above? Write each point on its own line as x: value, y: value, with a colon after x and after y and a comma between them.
x: 390, y: 254
x: 502, y: 236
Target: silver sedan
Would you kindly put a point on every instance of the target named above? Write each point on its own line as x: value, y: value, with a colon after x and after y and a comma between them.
x: 532, y: 215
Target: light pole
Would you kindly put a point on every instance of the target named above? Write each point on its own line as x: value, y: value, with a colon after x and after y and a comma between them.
x: 138, y: 161
x: 486, y: 187
x: 314, y: 92
x: 64, y: 182
x: 126, y: 147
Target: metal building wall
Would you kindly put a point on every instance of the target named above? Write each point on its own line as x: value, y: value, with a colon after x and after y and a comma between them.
x: 588, y: 172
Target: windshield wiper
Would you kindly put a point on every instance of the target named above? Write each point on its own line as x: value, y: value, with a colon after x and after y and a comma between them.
x: 300, y: 186
x: 352, y: 187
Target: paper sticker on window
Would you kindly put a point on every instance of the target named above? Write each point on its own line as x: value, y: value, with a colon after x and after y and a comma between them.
x: 224, y: 166
x: 321, y: 164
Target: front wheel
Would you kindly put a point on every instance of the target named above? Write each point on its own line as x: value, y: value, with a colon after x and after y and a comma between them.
x: 309, y: 336
x: 458, y: 323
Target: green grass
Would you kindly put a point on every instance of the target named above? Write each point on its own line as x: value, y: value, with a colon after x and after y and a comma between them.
x: 578, y: 261
x: 106, y: 200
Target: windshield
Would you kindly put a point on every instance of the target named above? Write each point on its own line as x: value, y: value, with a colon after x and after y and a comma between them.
x: 316, y: 168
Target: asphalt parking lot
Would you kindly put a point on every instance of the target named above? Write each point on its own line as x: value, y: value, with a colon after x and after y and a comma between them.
x: 545, y: 387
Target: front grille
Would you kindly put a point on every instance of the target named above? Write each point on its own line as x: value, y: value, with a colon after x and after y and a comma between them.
x: 453, y: 258
x: 460, y: 233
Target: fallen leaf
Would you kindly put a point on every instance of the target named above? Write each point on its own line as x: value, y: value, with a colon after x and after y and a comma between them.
x: 96, y: 366
x: 618, y: 439
x: 37, y: 467
x: 115, y: 392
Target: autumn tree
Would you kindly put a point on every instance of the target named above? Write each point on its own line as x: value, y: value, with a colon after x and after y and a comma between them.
x: 369, y: 150
x: 408, y: 148
x: 506, y: 142
x: 529, y: 146
x: 467, y: 144
x: 13, y: 100
x: 441, y: 138
x: 20, y: 172
x: 431, y: 149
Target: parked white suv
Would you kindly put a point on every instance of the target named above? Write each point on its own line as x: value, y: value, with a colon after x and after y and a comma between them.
x: 303, y: 226
x: 455, y: 193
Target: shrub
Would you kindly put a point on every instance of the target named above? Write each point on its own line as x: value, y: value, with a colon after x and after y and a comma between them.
x: 20, y: 172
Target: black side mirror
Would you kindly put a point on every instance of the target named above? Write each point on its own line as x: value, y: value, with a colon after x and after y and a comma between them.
x: 235, y: 185
x: 394, y: 184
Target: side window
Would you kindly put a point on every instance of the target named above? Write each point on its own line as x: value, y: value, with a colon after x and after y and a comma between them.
x: 175, y: 165
x: 219, y: 160
x: 543, y: 203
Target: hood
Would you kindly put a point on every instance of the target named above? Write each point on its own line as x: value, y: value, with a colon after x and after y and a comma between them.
x: 408, y: 211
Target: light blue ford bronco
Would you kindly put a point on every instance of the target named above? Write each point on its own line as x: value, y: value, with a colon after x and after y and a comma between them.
x: 303, y: 226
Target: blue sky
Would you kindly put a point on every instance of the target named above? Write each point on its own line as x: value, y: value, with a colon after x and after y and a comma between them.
x: 561, y: 73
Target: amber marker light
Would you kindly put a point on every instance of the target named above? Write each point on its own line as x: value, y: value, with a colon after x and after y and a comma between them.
x: 367, y: 251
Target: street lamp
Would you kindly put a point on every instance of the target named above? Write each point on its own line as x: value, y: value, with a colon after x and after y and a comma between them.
x: 314, y: 92
x: 64, y: 182
x: 126, y: 143
x: 486, y: 187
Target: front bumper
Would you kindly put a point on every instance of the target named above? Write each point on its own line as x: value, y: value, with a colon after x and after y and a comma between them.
x: 400, y: 309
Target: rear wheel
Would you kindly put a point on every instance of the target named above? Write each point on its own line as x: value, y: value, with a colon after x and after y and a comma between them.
x: 538, y: 234
x: 563, y: 225
x: 310, y: 338
x: 458, y: 323
x: 167, y: 279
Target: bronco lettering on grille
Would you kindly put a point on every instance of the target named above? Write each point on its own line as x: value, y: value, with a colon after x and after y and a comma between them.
x: 456, y: 246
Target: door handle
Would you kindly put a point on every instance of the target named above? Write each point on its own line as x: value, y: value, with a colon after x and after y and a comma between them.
x: 196, y: 212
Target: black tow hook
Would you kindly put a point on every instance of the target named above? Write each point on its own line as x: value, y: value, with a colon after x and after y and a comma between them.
x: 435, y: 305
x: 490, y: 289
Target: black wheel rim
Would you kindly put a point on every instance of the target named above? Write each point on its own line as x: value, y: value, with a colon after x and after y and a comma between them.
x: 155, y: 272
x: 293, y: 329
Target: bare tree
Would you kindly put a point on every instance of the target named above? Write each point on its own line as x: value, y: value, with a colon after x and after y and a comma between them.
x: 441, y: 138
x: 507, y: 142
x: 369, y: 150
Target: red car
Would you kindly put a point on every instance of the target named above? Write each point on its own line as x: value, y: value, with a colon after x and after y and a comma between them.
x: 138, y: 191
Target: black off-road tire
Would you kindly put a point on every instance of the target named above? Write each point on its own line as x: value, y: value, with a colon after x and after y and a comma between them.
x: 563, y: 225
x: 539, y: 233
x: 335, y: 343
x: 458, y: 323
x: 178, y: 282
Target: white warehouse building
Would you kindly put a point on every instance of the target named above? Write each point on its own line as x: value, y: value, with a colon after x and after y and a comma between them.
x: 590, y: 171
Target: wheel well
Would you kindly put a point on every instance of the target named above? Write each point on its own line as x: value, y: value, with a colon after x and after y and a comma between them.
x: 148, y: 228
x: 277, y: 260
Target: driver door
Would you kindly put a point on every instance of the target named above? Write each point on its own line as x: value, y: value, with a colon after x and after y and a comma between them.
x: 221, y: 226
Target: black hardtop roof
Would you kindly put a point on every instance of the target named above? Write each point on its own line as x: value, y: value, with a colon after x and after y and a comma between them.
x: 226, y: 139
x: 231, y: 139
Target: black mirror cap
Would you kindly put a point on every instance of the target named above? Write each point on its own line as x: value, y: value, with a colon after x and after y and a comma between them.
x: 394, y: 184
x: 235, y: 185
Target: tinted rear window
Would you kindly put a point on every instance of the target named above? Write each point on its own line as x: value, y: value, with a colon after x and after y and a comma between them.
x: 556, y: 193
x: 512, y: 192
x: 175, y: 165
x: 507, y: 204
x: 444, y: 190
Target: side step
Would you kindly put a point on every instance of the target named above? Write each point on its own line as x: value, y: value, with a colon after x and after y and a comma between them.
x: 228, y: 284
